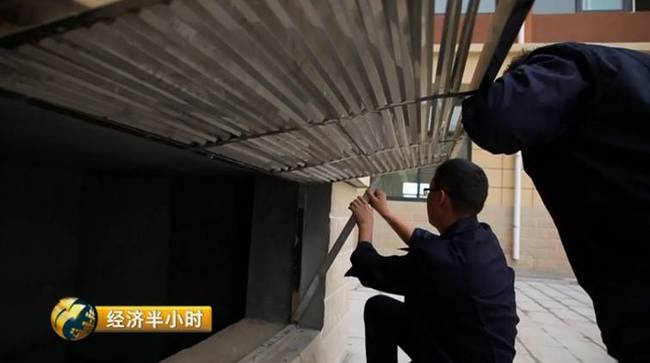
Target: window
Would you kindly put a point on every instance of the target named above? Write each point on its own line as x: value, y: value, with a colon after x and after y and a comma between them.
x: 410, y: 184
x: 456, y: 111
x: 554, y: 7
x: 568, y: 7
x: 406, y: 184
x: 604, y: 5
x: 485, y: 6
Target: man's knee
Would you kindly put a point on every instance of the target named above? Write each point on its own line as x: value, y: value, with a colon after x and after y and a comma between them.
x: 376, y: 306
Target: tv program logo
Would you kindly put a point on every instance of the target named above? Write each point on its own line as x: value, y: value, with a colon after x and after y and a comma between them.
x: 74, y: 319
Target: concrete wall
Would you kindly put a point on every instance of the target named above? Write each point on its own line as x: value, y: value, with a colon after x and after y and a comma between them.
x: 116, y: 239
x: 593, y: 26
x: 386, y: 240
x: 330, y: 344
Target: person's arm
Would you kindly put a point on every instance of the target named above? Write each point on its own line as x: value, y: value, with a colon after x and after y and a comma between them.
x: 529, y: 106
x: 384, y: 273
x: 363, y: 215
x: 378, y: 201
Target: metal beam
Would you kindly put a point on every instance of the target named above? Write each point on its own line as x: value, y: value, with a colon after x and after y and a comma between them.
x: 508, y: 19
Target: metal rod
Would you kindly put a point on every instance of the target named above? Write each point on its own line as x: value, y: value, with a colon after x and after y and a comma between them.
x: 331, y: 121
x: 426, y: 64
x: 516, y: 214
x: 307, y: 297
x: 457, y: 72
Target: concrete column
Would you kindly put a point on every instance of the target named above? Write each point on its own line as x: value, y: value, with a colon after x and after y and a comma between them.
x: 315, y: 243
x: 273, y: 237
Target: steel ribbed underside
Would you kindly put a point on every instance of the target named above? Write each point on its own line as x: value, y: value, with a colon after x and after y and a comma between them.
x: 290, y: 87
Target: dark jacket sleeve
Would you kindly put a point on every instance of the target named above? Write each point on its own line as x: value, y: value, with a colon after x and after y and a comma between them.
x: 384, y: 273
x: 432, y: 251
x: 529, y: 106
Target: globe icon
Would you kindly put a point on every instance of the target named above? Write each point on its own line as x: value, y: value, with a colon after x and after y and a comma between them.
x: 73, y: 319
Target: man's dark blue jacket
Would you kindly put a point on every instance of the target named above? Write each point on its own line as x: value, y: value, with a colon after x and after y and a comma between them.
x: 458, y: 291
x: 580, y: 114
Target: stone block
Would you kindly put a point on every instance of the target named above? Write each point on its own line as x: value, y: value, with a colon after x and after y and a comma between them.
x: 494, y: 177
x: 493, y: 197
x: 486, y: 159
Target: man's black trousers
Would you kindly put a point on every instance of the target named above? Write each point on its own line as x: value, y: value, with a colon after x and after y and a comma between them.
x: 388, y: 325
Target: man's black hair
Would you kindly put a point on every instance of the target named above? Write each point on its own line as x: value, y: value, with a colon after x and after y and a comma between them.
x: 465, y: 183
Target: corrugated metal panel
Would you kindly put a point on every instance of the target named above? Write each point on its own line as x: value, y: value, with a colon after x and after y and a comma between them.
x: 297, y: 88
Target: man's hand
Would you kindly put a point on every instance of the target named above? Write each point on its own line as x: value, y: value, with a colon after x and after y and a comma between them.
x: 377, y: 200
x: 363, y: 214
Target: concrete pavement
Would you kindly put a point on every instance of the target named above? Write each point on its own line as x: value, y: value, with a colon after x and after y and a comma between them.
x: 557, y: 324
